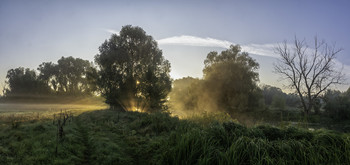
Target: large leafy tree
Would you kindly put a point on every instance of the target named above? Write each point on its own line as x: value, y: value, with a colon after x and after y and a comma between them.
x: 133, y: 74
x: 231, y: 79
x: 229, y: 84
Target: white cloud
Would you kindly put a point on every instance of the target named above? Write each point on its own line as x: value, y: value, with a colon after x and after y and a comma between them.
x: 194, y: 41
x: 111, y: 31
x: 261, y: 49
x: 258, y: 49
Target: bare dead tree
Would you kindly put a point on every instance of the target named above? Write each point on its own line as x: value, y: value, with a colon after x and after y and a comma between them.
x: 310, y: 71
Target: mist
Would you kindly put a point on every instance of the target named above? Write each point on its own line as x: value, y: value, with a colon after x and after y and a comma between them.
x: 229, y: 86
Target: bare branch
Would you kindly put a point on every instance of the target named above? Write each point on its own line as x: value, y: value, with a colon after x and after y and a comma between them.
x: 309, y: 70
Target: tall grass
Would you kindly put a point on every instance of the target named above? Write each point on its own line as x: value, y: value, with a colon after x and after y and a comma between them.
x: 230, y: 143
x: 109, y: 137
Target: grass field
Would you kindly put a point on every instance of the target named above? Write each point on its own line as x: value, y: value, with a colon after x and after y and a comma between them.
x: 31, y: 111
x: 110, y: 137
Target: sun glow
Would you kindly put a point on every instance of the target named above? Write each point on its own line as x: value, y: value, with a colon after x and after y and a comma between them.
x: 136, y: 105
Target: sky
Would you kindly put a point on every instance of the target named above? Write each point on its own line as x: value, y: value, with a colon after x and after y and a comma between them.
x: 36, y: 31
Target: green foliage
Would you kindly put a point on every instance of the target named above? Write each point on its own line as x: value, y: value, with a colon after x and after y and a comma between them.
x: 229, y: 85
x: 109, y: 137
x: 277, y: 98
x: 24, y: 82
x: 133, y: 74
x: 206, y: 118
x: 230, y: 143
x: 70, y: 76
x: 230, y: 77
x: 337, y: 104
x: 278, y: 102
x: 185, y: 94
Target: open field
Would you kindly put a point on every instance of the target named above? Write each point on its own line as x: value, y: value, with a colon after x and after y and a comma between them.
x: 111, y: 137
x: 10, y: 112
x: 44, y: 108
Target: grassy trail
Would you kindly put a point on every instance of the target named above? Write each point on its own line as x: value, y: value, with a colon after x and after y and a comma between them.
x: 82, y: 137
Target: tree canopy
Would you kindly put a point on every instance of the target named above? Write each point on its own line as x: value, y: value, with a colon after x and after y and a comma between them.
x: 24, y: 82
x: 231, y: 78
x: 133, y: 74
x: 69, y: 76
x: 229, y: 84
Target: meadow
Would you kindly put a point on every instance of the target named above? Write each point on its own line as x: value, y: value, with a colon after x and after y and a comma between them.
x: 109, y: 137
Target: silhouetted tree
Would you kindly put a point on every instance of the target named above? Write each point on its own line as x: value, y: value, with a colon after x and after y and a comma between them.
x: 48, y: 73
x: 231, y: 77
x: 310, y: 71
x: 24, y: 82
x: 69, y: 76
x: 133, y: 74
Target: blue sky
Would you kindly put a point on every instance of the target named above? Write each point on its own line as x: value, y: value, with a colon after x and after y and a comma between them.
x: 32, y: 32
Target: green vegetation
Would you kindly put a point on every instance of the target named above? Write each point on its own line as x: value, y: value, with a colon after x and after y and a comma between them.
x: 133, y: 74
x: 70, y: 77
x: 111, y: 137
x: 229, y: 85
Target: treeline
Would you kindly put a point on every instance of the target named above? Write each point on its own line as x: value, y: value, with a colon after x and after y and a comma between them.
x: 337, y: 104
x: 131, y: 73
x: 192, y: 95
x: 274, y: 97
x: 68, y: 77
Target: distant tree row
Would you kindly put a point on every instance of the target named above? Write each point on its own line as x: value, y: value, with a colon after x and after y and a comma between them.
x: 337, y: 104
x: 23, y: 82
x: 70, y: 76
x: 274, y: 97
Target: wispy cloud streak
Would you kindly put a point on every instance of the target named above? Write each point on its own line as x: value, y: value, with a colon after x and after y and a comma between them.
x: 111, y: 31
x: 194, y: 41
x: 261, y: 49
x: 258, y: 49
